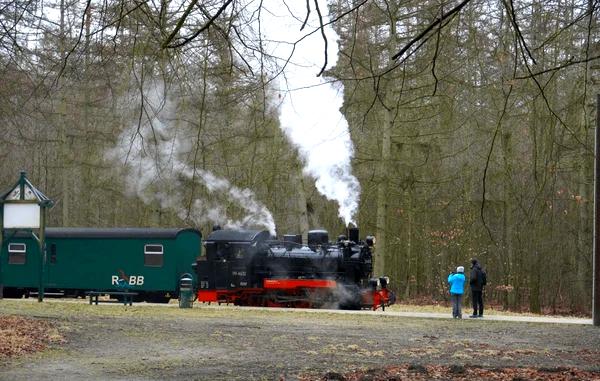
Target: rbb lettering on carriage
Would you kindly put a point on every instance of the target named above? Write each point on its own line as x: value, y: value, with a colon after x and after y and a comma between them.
x: 134, y: 280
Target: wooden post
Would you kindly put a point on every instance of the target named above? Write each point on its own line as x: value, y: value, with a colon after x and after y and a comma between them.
x: 42, y: 254
x: 596, y: 254
x: 1, y: 243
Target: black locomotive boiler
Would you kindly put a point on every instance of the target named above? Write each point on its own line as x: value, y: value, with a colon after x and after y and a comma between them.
x: 249, y: 268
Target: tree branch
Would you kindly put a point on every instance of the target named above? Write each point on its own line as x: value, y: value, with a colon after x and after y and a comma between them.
x: 323, y: 35
x: 197, y: 33
x: 437, y: 21
x: 307, y: 15
x: 180, y: 23
x: 570, y: 62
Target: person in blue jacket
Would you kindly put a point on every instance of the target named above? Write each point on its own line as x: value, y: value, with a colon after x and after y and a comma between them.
x: 457, y: 280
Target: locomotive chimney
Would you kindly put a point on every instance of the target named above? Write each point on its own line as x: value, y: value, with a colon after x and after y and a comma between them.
x: 353, y: 234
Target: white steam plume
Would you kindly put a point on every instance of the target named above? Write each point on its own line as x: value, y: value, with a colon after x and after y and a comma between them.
x: 152, y: 156
x: 310, y: 107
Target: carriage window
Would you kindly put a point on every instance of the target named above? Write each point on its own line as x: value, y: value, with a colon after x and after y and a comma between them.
x: 153, y: 255
x: 17, y: 253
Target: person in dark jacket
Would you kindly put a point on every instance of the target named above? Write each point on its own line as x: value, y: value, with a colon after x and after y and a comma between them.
x: 476, y: 283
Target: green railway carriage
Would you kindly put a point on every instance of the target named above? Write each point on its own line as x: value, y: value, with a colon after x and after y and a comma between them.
x: 149, y: 261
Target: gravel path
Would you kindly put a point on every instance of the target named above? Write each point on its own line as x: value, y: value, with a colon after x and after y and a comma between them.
x: 219, y: 343
x: 430, y: 315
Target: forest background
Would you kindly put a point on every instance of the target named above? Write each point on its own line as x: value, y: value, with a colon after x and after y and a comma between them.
x: 472, y: 123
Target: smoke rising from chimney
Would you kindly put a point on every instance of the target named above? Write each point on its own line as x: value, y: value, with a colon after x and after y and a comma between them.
x: 310, y: 106
x: 151, y: 154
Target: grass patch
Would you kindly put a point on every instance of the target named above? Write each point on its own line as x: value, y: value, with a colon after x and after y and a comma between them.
x: 65, y: 308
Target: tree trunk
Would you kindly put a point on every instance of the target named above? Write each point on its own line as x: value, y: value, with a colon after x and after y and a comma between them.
x: 62, y: 128
x: 381, y: 251
x: 300, y: 197
x: 508, y: 219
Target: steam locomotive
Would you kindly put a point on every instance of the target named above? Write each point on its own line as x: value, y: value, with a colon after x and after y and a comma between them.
x: 249, y: 268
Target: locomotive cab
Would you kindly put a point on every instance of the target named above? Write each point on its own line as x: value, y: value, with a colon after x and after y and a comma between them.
x: 229, y: 254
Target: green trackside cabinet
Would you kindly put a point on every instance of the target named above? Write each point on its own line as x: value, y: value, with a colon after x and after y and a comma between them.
x: 149, y: 261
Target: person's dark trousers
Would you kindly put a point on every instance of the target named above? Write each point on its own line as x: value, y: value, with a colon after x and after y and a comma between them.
x: 477, y: 297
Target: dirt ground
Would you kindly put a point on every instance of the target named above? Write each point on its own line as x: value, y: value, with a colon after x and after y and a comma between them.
x: 220, y: 343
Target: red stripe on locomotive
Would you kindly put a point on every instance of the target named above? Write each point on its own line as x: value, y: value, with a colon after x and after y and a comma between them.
x: 207, y: 296
x: 287, y: 284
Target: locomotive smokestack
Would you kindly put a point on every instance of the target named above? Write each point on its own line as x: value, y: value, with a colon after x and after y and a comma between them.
x: 353, y: 234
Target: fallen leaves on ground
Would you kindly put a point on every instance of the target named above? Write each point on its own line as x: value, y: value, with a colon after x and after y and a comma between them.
x: 20, y: 335
x: 419, y: 372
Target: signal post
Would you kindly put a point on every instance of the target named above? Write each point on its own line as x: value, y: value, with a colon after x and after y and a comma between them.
x: 23, y: 208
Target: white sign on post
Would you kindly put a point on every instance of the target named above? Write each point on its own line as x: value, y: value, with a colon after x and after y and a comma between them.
x: 21, y: 216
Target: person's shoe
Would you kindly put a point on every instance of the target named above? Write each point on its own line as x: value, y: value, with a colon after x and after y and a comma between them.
x: 473, y: 316
x: 479, y: 316
x: 459, y: 316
